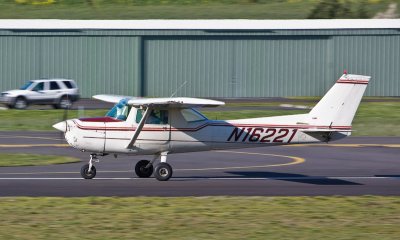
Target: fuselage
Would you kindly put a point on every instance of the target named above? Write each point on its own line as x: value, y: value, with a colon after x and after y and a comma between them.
x: 185, y: 130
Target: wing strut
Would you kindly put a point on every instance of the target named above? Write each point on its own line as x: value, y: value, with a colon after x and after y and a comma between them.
x: 139, y: 128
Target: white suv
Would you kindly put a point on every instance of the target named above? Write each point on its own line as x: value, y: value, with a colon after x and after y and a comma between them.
x: 60, y: 93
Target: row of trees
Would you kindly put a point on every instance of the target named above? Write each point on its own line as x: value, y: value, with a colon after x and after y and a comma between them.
x: 328, y: 9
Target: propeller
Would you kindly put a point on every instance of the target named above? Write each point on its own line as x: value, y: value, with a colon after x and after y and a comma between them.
x: 62, y: 126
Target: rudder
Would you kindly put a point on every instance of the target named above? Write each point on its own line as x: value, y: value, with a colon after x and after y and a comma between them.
x: 339, y: 105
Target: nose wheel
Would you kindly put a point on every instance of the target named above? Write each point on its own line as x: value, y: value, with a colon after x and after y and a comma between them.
x: 88, y: 171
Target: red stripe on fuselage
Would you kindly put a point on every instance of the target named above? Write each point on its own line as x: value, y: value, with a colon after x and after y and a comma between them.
x: 100, y: 119
x: 148, y: 129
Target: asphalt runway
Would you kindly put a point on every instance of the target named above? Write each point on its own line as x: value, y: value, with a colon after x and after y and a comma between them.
x: 353, y: 166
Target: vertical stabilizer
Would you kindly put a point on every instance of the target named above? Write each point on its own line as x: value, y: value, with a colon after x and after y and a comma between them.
x: 340, y: 103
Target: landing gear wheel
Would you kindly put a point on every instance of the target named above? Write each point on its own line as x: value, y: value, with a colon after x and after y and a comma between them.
x: 163, y: 172
x: 141, y: 170
x: 85, y: 172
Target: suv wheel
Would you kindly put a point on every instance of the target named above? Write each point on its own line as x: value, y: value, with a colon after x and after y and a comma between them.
x: 20, y: 103
x: 64, y: 103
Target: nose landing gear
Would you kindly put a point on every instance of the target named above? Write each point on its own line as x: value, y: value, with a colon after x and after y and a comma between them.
x: 88, y: 171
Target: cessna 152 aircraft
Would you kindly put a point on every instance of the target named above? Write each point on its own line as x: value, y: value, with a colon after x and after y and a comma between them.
x: 162, y: 126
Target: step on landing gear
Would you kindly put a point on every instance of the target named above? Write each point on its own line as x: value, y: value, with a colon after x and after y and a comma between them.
x: 88, y: 171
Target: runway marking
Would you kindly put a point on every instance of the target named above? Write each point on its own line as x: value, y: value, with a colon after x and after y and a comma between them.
x: 31, y: 137
x: 32, y: 145
x: 345, y: 145
x: 289, y: 145
x: 210, y: 178
x: 295, y: 160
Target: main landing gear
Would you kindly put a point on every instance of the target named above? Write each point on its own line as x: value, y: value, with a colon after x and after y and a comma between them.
x: 143, y: 169
x: 162, y: 171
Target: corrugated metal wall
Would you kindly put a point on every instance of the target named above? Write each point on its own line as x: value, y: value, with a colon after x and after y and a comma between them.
x: 98, y: 64
x: 213, y: 65
x: 268, y: 66
x: 377, y: 56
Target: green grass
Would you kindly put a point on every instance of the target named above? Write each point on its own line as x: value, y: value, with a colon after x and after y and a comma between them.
x: 38, y: 120
x: 372, y: 118
x: 174, y: 9
x: 19, y: 159
x: 377, y: 119
x: 368, y: 217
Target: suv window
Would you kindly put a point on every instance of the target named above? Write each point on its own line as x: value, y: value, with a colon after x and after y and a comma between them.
x: 54, y: 86
x: 39, y: 87
x: 68, y: 84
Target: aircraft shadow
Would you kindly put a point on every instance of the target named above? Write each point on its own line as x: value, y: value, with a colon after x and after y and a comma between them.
x: 300, y: 178
x: 389, y: 175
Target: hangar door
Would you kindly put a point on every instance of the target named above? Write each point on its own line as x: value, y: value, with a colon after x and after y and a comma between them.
x: 239, y: 67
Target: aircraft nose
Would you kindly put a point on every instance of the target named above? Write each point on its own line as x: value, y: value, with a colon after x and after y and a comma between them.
x: 61, y: 126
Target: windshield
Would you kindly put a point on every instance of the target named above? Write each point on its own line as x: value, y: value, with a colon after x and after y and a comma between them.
x: 26, y: 86
x: 120, y: 110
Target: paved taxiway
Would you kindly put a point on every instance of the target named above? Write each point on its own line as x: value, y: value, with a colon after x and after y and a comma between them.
x: 353, y: 166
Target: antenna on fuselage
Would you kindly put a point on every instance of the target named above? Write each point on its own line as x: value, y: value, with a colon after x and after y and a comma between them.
x: 179, y: 88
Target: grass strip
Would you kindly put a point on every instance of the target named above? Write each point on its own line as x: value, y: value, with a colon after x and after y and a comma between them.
x: 367, y: 217
x: 20, y: 159
x: 184, y: 9
x: 372, y: 118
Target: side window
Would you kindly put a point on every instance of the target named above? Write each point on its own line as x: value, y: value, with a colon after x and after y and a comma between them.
x: 155, y: 117
x: 39, y: 87
x: 191, y: 115
x: 68, y: 84
x: 54, y: 86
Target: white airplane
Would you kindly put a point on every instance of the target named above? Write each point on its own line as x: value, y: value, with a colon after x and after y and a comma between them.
x: 162, y: 126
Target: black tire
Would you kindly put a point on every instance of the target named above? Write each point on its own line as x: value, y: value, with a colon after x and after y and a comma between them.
x: 85, y: 172
x: 163, y: 172
x: 20, y: 103
x: 141, y: 170
x: 65, y: 102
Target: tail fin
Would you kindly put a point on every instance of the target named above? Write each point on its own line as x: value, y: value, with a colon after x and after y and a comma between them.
x: 339, y: 105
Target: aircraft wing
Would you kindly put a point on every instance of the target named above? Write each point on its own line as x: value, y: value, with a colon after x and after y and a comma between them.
x: 111, y: 98
x: 177, y: 102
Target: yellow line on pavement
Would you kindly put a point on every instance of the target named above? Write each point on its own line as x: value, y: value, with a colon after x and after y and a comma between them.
x: 32, y: 145
x: 295, y: 160
x: 31, y: 137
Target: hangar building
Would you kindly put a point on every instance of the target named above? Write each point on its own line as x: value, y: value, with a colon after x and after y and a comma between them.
x: 216, y: 58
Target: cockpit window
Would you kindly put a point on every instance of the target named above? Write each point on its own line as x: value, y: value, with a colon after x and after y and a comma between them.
x: 120, y: 110
x: 191, y: 115
x: 156, y: 116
